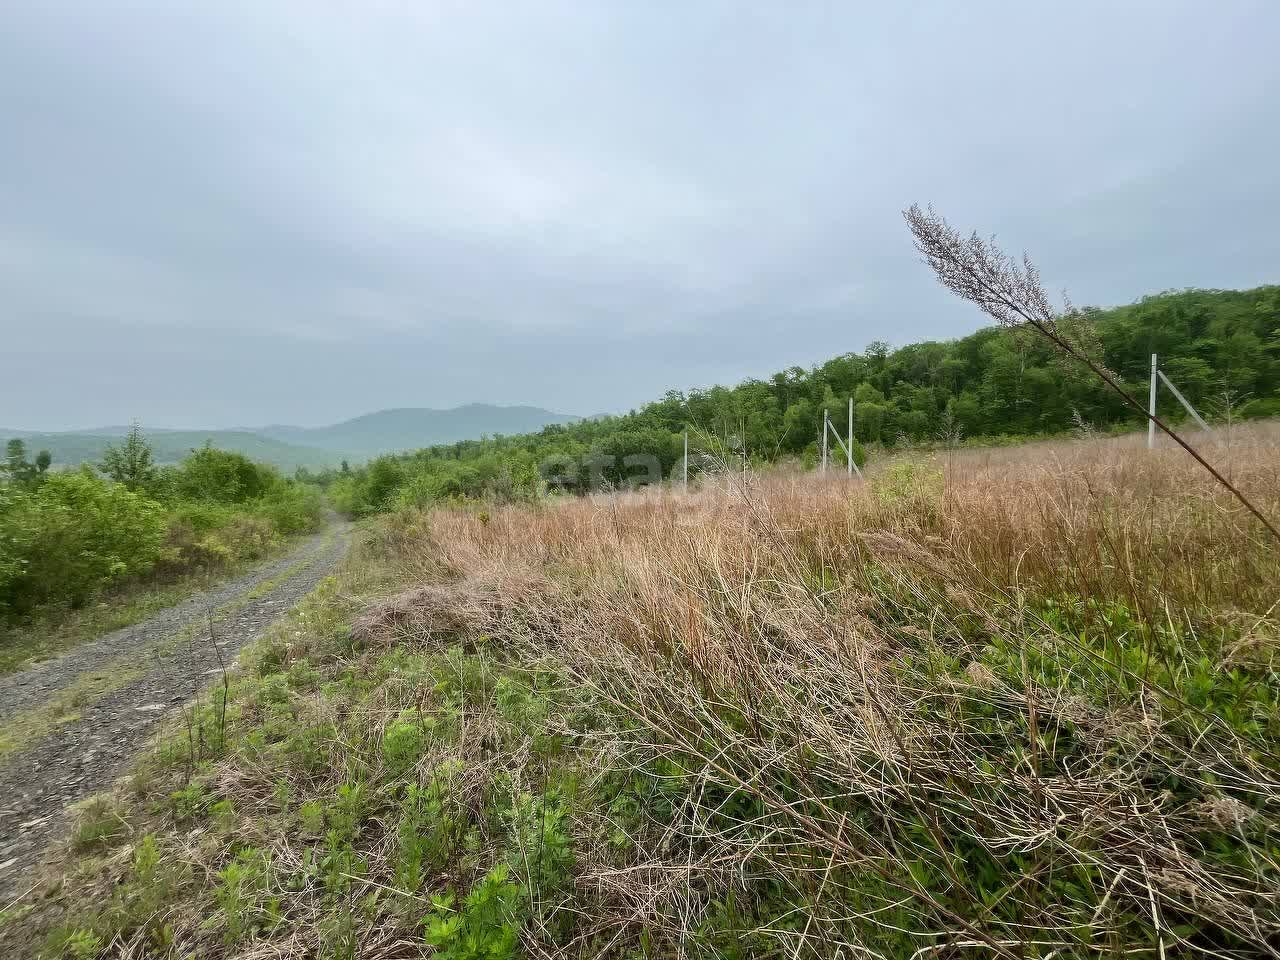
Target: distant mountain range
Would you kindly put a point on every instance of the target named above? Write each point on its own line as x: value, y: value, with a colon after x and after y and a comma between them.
x: 409, y: 428
x: 170, y: 446
x: 288, y: 447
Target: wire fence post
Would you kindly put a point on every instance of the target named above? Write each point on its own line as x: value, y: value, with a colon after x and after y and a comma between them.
x: 686, y: 461
x: 853, y: 464
x: 848, y: 451
x: 830, y: 428
x: 825, y: 421
x: 1151, y: 405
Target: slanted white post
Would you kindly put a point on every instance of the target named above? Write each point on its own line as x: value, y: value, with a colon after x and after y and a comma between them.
x: 1151, y: 404
x: 1184, y: 401
x: 847, y: 448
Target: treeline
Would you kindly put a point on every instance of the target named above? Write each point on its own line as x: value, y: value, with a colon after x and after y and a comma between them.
x: 1222, y: 348
x: 68, y: 536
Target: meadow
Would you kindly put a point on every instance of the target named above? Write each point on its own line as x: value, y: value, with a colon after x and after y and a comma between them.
x: 1018, y: 702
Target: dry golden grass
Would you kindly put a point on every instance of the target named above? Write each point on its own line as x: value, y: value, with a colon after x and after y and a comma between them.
x: 974, y: 702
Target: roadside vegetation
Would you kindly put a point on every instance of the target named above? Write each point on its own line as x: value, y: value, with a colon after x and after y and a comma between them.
x: 994, y: 387
x: 1018, y: 702
x: 85, y: 551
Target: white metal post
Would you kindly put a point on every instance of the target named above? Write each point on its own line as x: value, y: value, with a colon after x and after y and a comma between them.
x: 1151, y: 404
x: 824, y: 440
x: 686, y: 461
x: 848, y: 451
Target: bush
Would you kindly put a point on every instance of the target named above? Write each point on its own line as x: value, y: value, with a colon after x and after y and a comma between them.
x: 539, y: 845
x: 402, y: 745
x: 1262, y: 407
x: 243, y: 898
x: 344, y: 494
x: 430, y: 829
x: 209, y: 536
x: 76, y: 534
x: 12, y: 564
x: 225, y: 477
x: 73, y: 537
x: 293, y: 508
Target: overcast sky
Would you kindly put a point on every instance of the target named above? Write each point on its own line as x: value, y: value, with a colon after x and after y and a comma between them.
x: 299, y: 212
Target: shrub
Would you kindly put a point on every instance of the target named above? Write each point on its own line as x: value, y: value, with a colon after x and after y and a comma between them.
x: 248, y: 538
x: 200, y: 516
x: 293, y: 508
x: 210, y: 536
x: 1261, y: 407
x: 346, y: 814
x: 274, y: 689
x: 99, y: 826
x: 72, y: 538
x: 83, y: 945
x: 191, y: 801
x: 307, y: 748
x: 13, y: 563
x: 539, y: 846
x: 908, y: 481
x: 223, y: 476
x: 344, y: 494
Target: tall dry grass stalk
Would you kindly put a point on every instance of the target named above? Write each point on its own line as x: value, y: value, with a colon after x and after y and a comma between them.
x: 1010, y: 292
x: 1025, y: 706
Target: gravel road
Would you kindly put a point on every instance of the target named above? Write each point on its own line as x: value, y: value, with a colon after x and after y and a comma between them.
x: 120, y: 686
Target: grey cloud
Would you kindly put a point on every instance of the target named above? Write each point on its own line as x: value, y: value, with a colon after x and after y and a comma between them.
x: 235, y: 213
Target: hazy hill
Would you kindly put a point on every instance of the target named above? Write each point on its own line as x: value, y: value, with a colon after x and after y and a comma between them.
x: 170, y: 446
x: 287, y: 447
x: 410, y: 428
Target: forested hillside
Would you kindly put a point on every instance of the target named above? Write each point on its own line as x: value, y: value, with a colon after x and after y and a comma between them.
x: 1222, y: 347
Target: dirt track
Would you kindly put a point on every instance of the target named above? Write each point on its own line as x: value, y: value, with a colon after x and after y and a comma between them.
x: 79, y: 718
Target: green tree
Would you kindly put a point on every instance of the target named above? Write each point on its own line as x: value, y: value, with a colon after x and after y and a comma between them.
x: 383, y: 477
x: 220, y: 475
x: 23, y: 473
x: 15, y: 459
x: 131, y: 462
